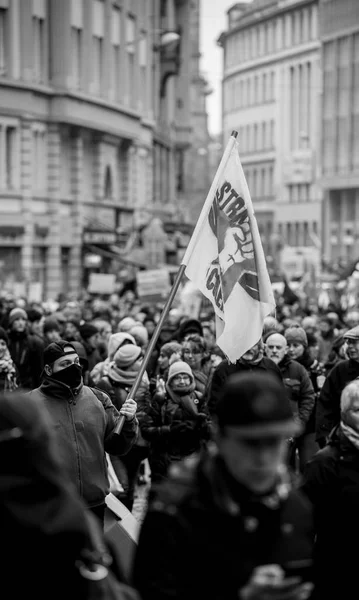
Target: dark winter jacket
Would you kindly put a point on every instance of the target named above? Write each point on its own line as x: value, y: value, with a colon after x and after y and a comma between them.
x: 224, y: 369
x: 27, y: 352
x: 203, y: 534
x: 316, y: 372
x: 299, y: 388
x: 85, y: 432
x: 173, y: 433
x: 328, y: 404
x: 331, y: 482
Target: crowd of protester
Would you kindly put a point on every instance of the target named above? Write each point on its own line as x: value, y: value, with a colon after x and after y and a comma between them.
x: 81, y: 359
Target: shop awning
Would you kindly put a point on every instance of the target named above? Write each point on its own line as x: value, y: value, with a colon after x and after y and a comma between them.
x: 111, y: 253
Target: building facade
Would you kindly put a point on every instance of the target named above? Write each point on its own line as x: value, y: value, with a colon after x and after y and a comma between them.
x: 88, y: 135
x: 339, y: 30
x: 271, y: 96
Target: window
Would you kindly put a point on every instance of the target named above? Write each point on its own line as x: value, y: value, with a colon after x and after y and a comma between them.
x: 130, y: 45
x: 271, y: 140
x: 3, y: 41
x: 9, y: 156
x: 116, y: 41
x: 142, y: 61
x: 270, y: 181
x: 39, y: 159
x: 98, y: 28
x: 39, y: 49
x: 76, y: 56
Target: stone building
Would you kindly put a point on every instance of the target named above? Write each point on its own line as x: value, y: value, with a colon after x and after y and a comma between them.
x: 339, y: 31
x: 271, y: 95
x: 94, y: 103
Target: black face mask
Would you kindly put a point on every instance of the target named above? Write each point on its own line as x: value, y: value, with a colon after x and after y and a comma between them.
x: 71, y: 376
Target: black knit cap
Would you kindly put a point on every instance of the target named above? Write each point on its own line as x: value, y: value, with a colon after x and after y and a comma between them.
x: 56, y: 350
x: 257, y: 405
x: 87, y: 330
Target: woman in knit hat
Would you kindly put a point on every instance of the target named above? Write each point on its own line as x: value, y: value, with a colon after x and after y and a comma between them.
x: 8, y: 371
x: 121, y: 375
x: 176, y: 423
x: 116, y: 340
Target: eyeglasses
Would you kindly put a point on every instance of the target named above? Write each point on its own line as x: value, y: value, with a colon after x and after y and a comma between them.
x: 182, y: 377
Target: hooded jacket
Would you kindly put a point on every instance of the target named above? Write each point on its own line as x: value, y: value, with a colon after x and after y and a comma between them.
x: 84, y: 427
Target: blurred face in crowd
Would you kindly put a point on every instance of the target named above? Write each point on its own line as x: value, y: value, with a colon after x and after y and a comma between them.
x: 325, y: 328
x: 52, y: 336
x: 260, y: 458
x: 37, y: 326
x: 150, y: 326
x: 352, y: 319
x: 19, y: 325
x: 94, y: 340
x: 63, y: 363
x: 106, y: 331
x: 295, y: 350
x: 253, y: 353
x: 3, y: 348
x: 163, y: 361
x: 71, y: 332
x: 192, y: 354
x: 352, y: 349
x: 276, y: 347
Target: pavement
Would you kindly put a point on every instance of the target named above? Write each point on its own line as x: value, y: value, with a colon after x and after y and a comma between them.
x: 140, y: 503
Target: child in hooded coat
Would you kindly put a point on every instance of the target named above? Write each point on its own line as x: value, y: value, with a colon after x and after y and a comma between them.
x: 176, y: 423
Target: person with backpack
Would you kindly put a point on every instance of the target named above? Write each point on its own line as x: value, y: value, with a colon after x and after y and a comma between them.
x: 85, y: 420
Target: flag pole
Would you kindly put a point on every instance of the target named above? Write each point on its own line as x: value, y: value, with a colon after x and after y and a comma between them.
x: 178, y: 278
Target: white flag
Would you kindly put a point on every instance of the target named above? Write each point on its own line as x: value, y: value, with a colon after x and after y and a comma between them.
x: 225, y: 259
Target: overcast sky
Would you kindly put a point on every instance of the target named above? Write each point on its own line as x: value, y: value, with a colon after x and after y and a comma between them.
x: 213, y: 22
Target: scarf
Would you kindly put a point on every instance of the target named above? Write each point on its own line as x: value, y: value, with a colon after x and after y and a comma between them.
x: 351, y: 434
x: 8, y: 368
x: 124, y: 377
x: 183, y: 396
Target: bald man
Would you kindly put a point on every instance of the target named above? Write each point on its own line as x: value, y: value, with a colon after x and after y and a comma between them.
x: 300, y: 391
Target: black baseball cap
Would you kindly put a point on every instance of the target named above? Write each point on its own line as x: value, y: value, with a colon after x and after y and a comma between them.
x: 256, y: 403
x: 56, y: 350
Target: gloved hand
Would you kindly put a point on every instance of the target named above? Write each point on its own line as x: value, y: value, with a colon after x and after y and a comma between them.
x: 180, y: 427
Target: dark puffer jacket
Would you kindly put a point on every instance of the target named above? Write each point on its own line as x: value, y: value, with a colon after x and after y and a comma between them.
x: 225, y: 369
x: 299, y: 387
x: 84, y: 429
x: 200, y: 539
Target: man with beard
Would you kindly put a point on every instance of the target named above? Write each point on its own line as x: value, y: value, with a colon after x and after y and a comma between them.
x: 252, y: 360
x: 300, y: 392
x: 328, y: 403
x: 85, y: 423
